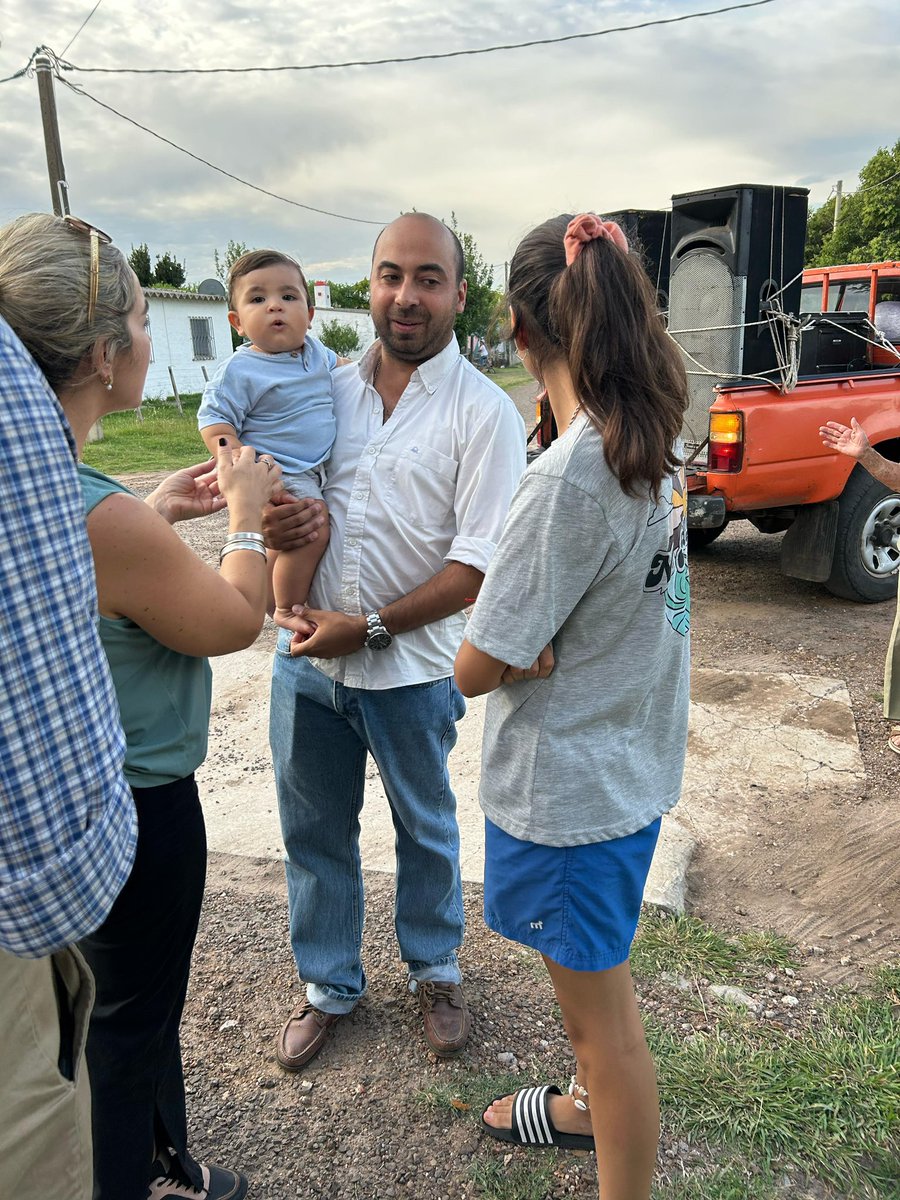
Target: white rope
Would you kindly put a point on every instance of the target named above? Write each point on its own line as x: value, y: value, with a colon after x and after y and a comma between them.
x: 880, y: 340
x: 784, y: 288
x: 719, y: 374
x: 715, y: 328
x: 785, y: 330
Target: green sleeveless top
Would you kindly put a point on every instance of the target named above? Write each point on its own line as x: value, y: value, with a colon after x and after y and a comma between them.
x: 164, y: 696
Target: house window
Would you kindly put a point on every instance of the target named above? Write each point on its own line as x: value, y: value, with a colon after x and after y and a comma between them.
x: 202, y: 337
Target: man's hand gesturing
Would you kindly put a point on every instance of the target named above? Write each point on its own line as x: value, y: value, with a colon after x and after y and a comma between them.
x: 850, y: 440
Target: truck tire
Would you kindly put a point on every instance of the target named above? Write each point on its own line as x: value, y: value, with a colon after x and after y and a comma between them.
x: 865, y: 557
x: 699, y: 539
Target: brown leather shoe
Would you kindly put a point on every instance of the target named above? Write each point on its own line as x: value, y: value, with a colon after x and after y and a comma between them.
x: 446, y: 1016
x: 303, y: 1035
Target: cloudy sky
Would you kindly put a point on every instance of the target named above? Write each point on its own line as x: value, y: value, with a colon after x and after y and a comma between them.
x: 794, y: 91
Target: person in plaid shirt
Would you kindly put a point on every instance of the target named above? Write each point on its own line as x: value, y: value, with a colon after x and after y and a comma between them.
x: 67, y: 821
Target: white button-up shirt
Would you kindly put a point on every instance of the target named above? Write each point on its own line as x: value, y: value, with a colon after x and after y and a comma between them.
x: 430, y: 485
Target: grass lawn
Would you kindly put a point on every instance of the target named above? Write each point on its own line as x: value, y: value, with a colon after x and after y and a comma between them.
x: 760, y: 1109
x: 166, y: 440
x: 163, y: 441
x: 510, y: 377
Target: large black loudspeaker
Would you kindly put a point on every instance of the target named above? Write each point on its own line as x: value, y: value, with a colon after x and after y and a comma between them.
x: 649, y: 232
x: 733, y: 250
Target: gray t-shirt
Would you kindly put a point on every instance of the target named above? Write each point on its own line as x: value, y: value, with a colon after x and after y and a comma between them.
x: 596, y: 751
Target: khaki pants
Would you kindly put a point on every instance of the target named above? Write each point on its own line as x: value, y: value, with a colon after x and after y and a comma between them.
x: 892, y: 671
x: 45, y: 1116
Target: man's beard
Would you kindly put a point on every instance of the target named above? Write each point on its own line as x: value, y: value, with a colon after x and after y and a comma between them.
x: 429, y: 339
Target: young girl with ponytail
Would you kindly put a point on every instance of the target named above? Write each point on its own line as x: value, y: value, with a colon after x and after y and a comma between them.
x: 583, y: 619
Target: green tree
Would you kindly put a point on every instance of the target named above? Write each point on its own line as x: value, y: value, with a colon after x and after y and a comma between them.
x: 233, y: 252
x: 482, y: 299
x: 168, y: 271
x: 350, y: 295
x: 868, y: 228
x: 139, y: 259
x: 340, y: 337
x: 819, y: 225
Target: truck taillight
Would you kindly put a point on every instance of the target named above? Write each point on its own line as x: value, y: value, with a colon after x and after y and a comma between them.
x: 726, y: 441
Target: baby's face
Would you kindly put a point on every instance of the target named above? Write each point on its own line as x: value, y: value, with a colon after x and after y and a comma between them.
x: 272, y: 308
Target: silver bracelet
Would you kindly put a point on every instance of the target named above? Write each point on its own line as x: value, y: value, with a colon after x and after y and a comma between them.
x: 230, y: 547
x: 246, y: 537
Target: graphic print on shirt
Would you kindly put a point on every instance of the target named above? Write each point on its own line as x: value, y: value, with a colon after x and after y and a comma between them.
x: 668, y: 572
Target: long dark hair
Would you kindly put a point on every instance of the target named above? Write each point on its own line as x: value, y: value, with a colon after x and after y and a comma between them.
x: 599, y: 314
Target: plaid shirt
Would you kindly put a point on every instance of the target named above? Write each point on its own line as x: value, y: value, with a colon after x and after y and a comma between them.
x: 67, y: 822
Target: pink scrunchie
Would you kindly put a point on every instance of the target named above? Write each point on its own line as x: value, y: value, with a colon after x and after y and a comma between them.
x: 585, y: 228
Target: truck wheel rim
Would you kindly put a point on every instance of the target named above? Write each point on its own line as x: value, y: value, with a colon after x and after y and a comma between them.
x: 879, y: 550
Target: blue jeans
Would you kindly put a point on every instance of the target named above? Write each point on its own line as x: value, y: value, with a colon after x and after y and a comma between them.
x: 320, y: 733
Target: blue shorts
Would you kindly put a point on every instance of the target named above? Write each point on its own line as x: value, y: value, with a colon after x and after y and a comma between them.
x: 578, y: 905
x: 305, y: 484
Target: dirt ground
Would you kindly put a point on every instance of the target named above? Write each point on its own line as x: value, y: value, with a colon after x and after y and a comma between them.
x: 822, y: 872
x: 825, y: 870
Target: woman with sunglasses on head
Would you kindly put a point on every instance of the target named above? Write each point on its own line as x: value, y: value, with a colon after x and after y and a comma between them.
x: 75, y: 303
x: 580, y: 634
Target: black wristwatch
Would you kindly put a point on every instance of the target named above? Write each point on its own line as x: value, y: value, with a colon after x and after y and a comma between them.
x: 377, y: 637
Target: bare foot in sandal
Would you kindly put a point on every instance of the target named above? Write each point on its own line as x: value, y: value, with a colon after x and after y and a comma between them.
x: 565, y: 1122
x: 894, y: 740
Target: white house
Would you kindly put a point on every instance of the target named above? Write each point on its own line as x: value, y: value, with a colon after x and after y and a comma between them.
x: 359, y: 318
x: 189, y: 331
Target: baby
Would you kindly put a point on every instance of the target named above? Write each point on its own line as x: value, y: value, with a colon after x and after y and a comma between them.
x: 275, y: 395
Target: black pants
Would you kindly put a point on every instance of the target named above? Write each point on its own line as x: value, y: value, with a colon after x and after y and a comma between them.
x: 141, y: 959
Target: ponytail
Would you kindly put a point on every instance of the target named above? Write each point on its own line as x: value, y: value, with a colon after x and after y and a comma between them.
x: 599, y: 314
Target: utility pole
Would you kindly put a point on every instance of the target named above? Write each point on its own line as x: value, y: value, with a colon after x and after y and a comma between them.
x: 59, y: 188
x: 838, y: 192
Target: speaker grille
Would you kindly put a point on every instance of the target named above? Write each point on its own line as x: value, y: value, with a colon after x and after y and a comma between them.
x: 706, y: 296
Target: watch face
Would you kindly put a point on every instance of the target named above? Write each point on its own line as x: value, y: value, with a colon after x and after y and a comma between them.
x: 378, y: 641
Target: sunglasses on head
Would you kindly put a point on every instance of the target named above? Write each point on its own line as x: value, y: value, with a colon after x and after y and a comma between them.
x: 96, y: 237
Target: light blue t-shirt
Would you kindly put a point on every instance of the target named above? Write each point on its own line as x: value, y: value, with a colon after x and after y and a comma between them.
x: 281, y: 404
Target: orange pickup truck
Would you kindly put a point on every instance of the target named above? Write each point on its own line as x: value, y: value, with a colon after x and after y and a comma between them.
x: 764, y: 462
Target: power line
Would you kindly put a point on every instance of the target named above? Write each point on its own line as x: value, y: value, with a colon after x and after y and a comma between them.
x: 81, y: 26
x: 379, y: 62
x: 79, y: 91
x: 866, y: 187
x: 24, y: 70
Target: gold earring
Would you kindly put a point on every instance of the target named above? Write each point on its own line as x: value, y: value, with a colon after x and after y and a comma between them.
x: 107, y: 383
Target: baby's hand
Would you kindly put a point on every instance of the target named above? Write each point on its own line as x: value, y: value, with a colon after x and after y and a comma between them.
x: 294, y: 619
